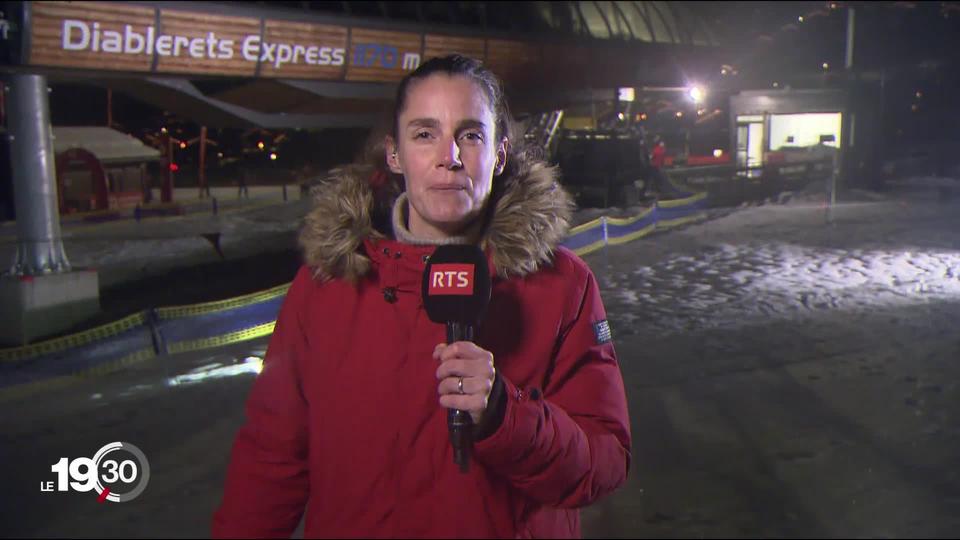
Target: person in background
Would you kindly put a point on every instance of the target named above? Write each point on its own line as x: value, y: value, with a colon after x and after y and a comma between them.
x: 346, y: 424
x: 657, y: 158
x: 243, y: 181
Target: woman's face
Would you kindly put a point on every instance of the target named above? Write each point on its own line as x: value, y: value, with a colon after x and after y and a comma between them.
x: 446, y: 152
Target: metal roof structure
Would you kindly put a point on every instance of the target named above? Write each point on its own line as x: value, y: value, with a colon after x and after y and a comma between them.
x: 109, y: 145
x: 651, y: 22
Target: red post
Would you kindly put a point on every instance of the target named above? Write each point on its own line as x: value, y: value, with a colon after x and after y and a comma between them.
x: 166, y: 192
x: 109, y: 107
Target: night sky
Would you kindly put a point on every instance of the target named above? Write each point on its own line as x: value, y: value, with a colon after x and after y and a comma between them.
x: 770, y: 39
x: 909, y: 46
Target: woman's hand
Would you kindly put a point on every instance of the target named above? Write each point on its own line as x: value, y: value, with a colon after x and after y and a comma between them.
x: 465, y: 361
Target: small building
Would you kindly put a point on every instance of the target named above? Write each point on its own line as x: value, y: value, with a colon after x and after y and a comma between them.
x: 797, y: 134
x: 99, y: 168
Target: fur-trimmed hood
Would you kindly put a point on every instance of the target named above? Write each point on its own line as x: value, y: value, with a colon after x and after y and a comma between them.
x: 530, y: 216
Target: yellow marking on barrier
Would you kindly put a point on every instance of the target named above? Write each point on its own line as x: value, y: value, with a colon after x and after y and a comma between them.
x: 580, y: 252
x: 114, y: 365
x: 620, y: 222
x: 219, y: 341
x: 584, y: 227
x: 111, y: 329
x: 669, y: 223
x: 174, y: 312
x: 20, y: 391
x: 681, y: 202
x: 632, y: 236
x: 72, y: 340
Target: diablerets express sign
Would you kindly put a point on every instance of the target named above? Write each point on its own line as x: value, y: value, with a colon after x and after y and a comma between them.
x: 82, y: 36
x: 142, y: 38
x: 217, y: 39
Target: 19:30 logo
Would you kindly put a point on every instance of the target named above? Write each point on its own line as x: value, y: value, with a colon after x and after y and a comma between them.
x: 121, y: 478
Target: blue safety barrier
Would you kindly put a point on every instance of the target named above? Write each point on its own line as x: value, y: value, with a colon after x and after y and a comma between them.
x: 665, y: 214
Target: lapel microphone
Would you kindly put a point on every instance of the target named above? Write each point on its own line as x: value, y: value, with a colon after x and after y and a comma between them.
x: 456, y: 291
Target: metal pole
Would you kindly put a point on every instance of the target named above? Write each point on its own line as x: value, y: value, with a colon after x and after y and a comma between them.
x: 204, y: 190
x: 39, y: 247
x: 849, y: 62
x: 842, y: 161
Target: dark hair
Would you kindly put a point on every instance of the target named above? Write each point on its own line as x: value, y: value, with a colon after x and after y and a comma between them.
x: 470, y: 68
x: 520, y: 155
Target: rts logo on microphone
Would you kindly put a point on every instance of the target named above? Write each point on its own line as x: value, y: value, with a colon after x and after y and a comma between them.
x: 456, y: 279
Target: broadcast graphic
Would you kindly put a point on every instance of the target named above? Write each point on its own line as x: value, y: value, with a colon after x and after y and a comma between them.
x: 118, y: 472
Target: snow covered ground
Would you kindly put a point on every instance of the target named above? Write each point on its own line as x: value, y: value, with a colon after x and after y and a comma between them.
x: 786, y: 377
x: 126, y: 250
x: 778, y: 262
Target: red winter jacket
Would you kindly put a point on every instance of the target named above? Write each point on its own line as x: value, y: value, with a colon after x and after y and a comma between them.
x: 658, y: 156
x: 344, y: 422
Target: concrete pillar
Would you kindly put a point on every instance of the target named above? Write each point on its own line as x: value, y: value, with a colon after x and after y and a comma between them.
x: 39, y: 248
x: 42, y: 297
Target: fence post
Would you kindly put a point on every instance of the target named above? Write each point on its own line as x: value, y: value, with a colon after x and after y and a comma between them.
x: 156, y: 335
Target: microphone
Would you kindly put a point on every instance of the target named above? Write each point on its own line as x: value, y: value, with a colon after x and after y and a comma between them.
x: 456, y: 291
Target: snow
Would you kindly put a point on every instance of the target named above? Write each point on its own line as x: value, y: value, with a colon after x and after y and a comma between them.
x: 745, y: 281
x: 125, y: 249
x: 785, y: 262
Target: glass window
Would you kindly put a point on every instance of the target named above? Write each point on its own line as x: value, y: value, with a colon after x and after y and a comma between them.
x: 595, y: 24
x: 617, y: 24
x: 803, y: 130
x: 638, y: 22
x: 670, y: 18
x: 662, y: 19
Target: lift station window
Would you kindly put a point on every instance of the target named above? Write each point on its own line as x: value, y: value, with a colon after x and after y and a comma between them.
x: 803, y: 130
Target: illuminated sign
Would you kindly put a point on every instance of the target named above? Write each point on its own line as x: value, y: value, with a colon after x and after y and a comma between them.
x: 216, y: 39
x: 126, y: 37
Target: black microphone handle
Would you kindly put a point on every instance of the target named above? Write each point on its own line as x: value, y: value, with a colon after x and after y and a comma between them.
x: 459, y: 332
x: 459, y: 422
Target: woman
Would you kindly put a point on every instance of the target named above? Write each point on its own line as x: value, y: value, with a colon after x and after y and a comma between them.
x: 345, y: 424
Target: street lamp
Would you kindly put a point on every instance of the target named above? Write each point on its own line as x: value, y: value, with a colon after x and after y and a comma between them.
x: 696, y: 93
